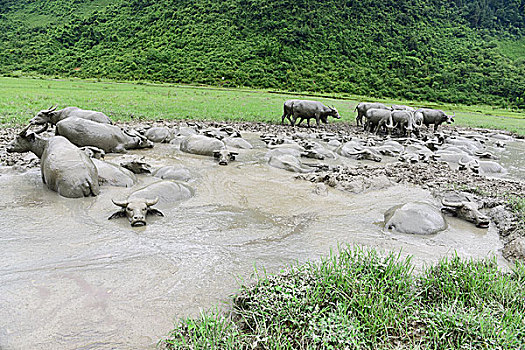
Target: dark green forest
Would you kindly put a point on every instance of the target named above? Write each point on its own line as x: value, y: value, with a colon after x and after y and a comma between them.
x: 456, y: 51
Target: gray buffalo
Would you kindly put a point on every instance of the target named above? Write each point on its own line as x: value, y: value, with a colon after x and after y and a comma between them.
x: 464, y: 207
x: 224, y: 156
x: 65, y: 168
x: 288, y: 110
x: 201, y: 145
x: 110, y: 138
x: 362, y: 107
x: 434, y: 116
x: 355, y: 150
x: 159, y: 134
x: 403, y: 108
x: 289, y: 162
x: 113, y: 175
x: 305, y: 109
x: 53, y: 116
x: 415, y: 218
x: 139, y: 204
x: 208, y: 146
x: 377, y: 118
x: 404, y: 121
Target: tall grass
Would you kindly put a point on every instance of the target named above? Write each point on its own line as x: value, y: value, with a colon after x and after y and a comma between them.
x: 360, y: 299
x: 22, y: 98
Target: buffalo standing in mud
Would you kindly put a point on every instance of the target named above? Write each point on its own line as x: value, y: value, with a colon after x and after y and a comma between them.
x: 377, y: 118
x: 65, y: 168
x: 53, y: 116
x: 434, y: 116
x: 305, y: 109
x: 362, y: 107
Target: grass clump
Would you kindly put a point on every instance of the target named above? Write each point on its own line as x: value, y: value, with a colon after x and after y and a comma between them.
x: 361, y: 299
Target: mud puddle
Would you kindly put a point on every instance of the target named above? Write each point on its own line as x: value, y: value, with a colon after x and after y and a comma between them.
x: 69, y: 278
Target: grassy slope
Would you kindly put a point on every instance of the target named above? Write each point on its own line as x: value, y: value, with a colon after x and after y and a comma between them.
x: 21, y: 99
x: 359, y: 299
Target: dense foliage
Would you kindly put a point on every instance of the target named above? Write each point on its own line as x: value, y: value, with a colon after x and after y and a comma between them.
x: 459, y: 51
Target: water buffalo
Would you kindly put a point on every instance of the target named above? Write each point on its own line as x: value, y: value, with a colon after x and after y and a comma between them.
x: 464, y: 207
x: 110, y: 138
x: 289, y: 162
x: 113, y: 175
x: 415, y: 218
x: 352, y: 149
x: 288, y: 110
x: 174, y: 172
x: 403, y: 108
x: 53, y: 116
x: 139, y: 204
x: 224, y: 156
x: 159, y: 134
x: 404, y: 121
x: 65, y: 168
x: 305, y: 109
x: 434, y: 116
x: 201, y: 145
x: 377, y: 118
x: 365, y: 106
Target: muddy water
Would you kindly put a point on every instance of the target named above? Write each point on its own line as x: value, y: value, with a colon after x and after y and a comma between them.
x: 512, y: 159
x: 69, y: 278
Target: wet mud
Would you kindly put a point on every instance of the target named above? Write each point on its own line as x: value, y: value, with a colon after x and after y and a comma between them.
x: 69, y: 278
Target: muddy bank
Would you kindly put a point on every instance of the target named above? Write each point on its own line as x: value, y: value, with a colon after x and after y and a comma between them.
x: 494, y: 193
x: 92, y: 283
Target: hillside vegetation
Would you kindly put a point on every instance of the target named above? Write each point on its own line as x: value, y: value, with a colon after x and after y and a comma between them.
x: 456, y: 51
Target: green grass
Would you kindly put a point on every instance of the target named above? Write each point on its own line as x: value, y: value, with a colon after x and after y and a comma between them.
x: 360, y: 299
x: 22, y: 98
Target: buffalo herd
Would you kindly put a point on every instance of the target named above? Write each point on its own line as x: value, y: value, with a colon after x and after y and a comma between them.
x: 72, y: 165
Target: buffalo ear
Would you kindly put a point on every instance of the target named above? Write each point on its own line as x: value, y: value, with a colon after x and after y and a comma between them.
x: 118, y: 214
x: 153, y: 211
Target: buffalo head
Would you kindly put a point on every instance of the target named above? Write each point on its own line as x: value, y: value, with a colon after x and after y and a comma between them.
x: 465, y: 209
x: 43, y: 117
x: 224, y: 156
x: 24, y: 141
x: 136, y: 210
x: 334, y: 113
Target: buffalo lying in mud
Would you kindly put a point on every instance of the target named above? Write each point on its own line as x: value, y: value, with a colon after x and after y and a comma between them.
x: 415, y: 218
x: 464, y: 207
x: 305, y: 109
x: 139, y: 204
x: 53, y: 116
x: 65, y: 168
x: 110, y: 138
x: 207, y: 146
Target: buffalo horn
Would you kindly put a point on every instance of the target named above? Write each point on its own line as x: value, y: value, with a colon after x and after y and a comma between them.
x: 451, y: 204
x: 42, y: 129
x: 122, y: 204
x: 151, y: 202
x: 24, y: 130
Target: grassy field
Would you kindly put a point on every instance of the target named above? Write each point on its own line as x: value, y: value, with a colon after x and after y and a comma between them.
x: 360, y: 299
x: 22, y: 98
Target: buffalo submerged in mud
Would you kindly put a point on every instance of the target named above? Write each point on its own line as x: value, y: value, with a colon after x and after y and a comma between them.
x: 231, y: 216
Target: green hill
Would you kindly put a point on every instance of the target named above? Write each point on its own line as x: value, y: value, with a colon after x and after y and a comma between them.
x: 456, y: 51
